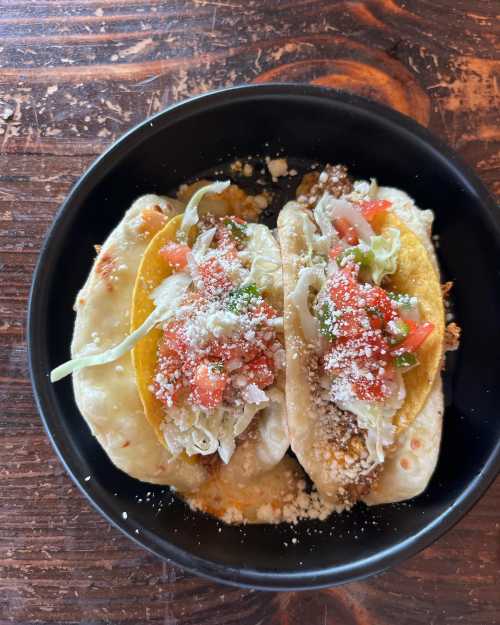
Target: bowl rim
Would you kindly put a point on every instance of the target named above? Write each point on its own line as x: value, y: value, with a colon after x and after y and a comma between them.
x: 242, y: 577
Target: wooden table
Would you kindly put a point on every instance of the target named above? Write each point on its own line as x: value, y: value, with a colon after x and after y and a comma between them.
x: 75, y: 75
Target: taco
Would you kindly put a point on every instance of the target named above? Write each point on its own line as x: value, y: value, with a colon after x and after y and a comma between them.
x: 217, y: 358
x: 178, y: 359
x: 364, y: 331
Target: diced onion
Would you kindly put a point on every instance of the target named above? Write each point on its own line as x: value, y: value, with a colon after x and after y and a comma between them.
x: 202, y: 244
x: 341, y: 208
x: 299, y: 297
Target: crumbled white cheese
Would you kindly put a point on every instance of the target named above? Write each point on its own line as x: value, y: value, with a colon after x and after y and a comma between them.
x: 254, y: 395
x: 222, y: 323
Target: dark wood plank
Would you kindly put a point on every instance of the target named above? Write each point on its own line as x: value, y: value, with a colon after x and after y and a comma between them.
x: 74, y: 75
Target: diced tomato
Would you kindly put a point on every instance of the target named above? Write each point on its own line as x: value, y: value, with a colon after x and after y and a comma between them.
x: 350, y: 323
x: 378, y: 385
x: 175, y: 254
x: 369, y: 390
x: 152, y: 220
x: 346, y: 230
x: 390, y: 372
x: 225, y: 351
x: 169, y: 365
x: 377, y: 300
x: 370, y: 208
x: 376, y: 319
x: 378, y: 350
x: 260, y: 371
x: 173, y: 339
x: 213, y: 276
x: 209, y: 385
x: 417, y: 335
x: 225, y: 243
x: 228, y: 349
x: 249, y: 353
x: 263, y: 308
x: 335, y: 251
x: 343, y: 288
x: 165, y: 350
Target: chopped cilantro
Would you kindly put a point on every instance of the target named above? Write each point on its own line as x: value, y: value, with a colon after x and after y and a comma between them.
x: 398, y: 331
x: 356, y: 255
x: 238, y: 231
x: 373, y: 311
x: 240, y: 298
x: 217, y: 366
x: 405, y: 360
x: 326, y: 319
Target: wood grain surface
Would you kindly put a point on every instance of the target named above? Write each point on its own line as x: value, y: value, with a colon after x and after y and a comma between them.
x: 76, y: 74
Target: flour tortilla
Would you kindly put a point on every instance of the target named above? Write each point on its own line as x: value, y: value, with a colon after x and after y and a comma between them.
x: 408, y: 469
x: 303, y: 424
x: 107, y: 395
x: 109, y: 401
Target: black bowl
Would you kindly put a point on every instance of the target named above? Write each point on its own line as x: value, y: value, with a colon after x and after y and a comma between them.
x: 310, y: 124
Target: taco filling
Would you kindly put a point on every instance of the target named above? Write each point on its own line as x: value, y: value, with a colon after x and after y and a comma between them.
x: 219, y: 352
x: 362, y: 327
x: 368, y: 337
x: 188, y: 322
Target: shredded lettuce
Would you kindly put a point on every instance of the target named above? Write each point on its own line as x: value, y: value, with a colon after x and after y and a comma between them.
x: 109, y: 355
x: 191, y: 216
x: 199, y: 432
x: 376, y: 419
x: 231, y: 428
x: 378, y: 258
x: 265, y: 270
x: 385, y: 250
x: 360, y: 254
x: 322, y: 215
x: 272, y: 428
x: 263, y: 273
x: 191, y: 430
x: 166, y: 298
x: 317, y: 243
x: 168, y: 294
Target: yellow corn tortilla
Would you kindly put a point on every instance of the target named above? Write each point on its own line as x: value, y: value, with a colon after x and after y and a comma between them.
x: 417, y: 277
x: 152, y: 271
